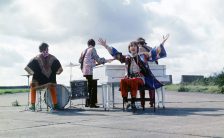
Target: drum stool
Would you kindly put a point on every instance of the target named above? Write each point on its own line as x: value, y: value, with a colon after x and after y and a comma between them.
x: 40, y: 97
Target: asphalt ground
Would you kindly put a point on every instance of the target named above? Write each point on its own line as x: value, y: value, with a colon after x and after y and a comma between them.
x: 186, y: 115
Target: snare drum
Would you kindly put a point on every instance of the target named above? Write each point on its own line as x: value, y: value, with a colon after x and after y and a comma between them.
x: 62, y: 96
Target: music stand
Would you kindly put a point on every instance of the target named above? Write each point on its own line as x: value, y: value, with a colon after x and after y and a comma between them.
x: 28, y: 86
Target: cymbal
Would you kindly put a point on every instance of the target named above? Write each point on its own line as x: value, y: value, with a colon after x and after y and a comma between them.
x: 72, y: 65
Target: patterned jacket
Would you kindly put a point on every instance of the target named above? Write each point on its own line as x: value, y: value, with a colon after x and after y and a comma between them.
x: 90, y: 58
x: 140, y: 60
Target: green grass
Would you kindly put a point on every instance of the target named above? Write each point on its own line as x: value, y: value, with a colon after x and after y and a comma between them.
x: 172, y: 87
x: 6, y: 91
x: 193, y: 88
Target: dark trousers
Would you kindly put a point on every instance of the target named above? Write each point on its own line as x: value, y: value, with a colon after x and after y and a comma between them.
x: 92, y: 90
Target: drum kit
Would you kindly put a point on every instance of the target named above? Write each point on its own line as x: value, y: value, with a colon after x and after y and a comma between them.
x: 63, y: 96
x: 78, y: 90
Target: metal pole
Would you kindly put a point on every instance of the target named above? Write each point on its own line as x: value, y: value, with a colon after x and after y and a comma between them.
x: 70, y: 74
x: 29, y: 91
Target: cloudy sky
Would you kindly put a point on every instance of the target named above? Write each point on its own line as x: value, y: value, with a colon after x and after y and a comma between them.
x: 195, y: 46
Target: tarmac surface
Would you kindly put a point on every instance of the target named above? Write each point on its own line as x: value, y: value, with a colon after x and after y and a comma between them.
x: 190, y: 115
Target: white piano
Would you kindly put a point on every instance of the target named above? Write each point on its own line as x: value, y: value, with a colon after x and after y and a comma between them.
x: 110, y: 75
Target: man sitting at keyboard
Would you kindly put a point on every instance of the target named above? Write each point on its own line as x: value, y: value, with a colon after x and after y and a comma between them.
x: 137, y: 74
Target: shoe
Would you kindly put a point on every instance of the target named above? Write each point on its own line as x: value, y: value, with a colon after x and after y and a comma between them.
x: 56, y: 107
x: 87, y: 103
x: 151, y: 103
x: 32, y: 107
x: 94, y: 106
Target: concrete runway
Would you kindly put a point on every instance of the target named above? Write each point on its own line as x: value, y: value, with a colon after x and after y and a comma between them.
x: 186, y: 115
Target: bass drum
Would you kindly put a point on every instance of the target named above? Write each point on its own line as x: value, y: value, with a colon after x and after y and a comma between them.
x: 62, y: 96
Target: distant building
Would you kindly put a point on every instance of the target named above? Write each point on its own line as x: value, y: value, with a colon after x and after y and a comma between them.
x: 171, y: 79
x: 190, y: 78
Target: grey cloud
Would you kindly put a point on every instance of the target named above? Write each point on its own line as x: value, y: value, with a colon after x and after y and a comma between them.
x: 8, y: 58
x: 180, y: 30
x: 115, y: 21
x: 4, y: 4
x: 217, y: 11
x: 19, y: 23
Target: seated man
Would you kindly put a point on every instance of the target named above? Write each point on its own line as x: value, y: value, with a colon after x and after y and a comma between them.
x: 136, y: 72
x: 44, y: 68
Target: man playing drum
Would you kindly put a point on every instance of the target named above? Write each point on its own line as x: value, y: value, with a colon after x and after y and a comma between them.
x: 44, y: 68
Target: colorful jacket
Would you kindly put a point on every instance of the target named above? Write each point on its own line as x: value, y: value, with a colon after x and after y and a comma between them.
x: 44, y: 69
x: 156, y: 53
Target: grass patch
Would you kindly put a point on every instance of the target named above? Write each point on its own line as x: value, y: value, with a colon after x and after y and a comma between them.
x: 11, y: 91
x: 193, y: 88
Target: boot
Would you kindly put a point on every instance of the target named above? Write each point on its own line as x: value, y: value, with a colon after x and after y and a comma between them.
x: 152, y: 102
x: 56, y: 107
x: 32, y: 107
x: 133, y: 107
x: 87, y: 103
x: 142, y: 95
x: 94, y: 106
x: 152, y: 97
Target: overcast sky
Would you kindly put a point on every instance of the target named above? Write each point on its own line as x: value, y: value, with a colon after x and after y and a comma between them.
x: 195, y: 46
